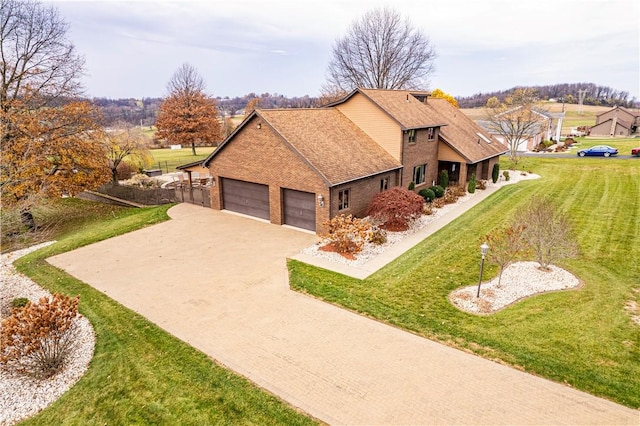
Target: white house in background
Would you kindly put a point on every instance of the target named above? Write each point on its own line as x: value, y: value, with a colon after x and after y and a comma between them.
x: 547, y: 128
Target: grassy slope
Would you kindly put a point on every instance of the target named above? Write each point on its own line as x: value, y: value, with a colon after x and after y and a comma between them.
x: 582, y: 337
x: 141, y: 374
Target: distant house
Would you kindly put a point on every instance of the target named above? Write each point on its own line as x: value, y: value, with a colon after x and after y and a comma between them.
x: 547, y: 127
x: 617, y: 121
x: 301, y: 167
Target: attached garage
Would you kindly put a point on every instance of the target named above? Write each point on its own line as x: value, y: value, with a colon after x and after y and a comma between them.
x: 245, y: 197
x: 299, y: 209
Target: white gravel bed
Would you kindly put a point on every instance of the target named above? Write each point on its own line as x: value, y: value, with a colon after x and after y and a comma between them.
x: 519, y: 280
x: 21, y: 396
x: 369, y: 251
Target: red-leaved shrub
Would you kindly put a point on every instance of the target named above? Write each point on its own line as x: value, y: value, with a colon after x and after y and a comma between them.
x: 395, y: 208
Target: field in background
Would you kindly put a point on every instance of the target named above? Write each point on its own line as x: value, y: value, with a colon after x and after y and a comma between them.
x: 572, y: 117
x: 168, y: 159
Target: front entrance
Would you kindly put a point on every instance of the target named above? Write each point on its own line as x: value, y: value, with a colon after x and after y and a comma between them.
x: 452, y: 168
x: 299, y: 209
x: 245, y: 197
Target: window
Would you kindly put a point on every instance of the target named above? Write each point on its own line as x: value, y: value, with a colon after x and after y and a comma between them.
x: 384, y: 184
x: 412, y: 136
x: 343, y: 199
x: 419, y: 174
x: 431, y: 133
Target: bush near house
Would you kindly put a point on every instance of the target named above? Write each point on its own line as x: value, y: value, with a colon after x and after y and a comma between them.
x: 495, y: 173
x: 395, y: 208
x: 347, y: 234
x: 472, y: 184
x: 444, y: 178
x: 427, y: 194
x: 438, y: 190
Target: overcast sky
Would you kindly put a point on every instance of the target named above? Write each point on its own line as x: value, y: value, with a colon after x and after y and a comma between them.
x: 240, y: 46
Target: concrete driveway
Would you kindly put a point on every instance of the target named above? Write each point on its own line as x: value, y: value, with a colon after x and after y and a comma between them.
x: 219, y: 282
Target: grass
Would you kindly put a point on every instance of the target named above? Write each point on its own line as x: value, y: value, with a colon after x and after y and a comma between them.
x: 572, y: 118
x: 139, y: 373
x: 624, y: 145
x: 169, y: 159
x: 584, y: 338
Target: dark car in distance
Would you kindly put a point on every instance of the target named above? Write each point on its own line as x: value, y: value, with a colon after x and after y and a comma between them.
x: 604, y: 150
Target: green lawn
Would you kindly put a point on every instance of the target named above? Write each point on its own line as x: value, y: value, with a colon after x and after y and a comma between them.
x: 168, y: 159
x: 624, y: 145
x: 585, y: 338
x: 139, y: 373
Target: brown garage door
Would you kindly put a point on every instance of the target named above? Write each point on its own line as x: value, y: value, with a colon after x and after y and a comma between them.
x: 300, y: 209
x: 246, y: 197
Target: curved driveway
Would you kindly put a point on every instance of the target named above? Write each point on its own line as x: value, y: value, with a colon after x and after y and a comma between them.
x: 219, y: 282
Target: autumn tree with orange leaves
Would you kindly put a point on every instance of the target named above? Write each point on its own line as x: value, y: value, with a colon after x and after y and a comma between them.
x: 51, y: 144
x: 188, y: 116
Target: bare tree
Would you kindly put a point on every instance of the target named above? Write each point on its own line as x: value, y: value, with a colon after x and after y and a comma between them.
x: 188, y: 115
x: 506, y: 245
x: 186, y: 80
x: 125, y: 141
x: 381, y: 50
x: 515, y: 119
x: 38, y: 63
x: 547, y: 233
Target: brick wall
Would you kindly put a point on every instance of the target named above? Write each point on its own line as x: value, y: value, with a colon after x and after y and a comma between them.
x: 423, y: 151
x: 362, y: 191
x: 259, y: 155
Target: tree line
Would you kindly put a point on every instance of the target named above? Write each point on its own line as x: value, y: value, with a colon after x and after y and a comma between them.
x: 563, y: 92
x: 144, y: 111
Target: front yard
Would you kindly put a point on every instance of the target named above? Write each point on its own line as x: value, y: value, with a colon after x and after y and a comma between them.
x: 586, y: 338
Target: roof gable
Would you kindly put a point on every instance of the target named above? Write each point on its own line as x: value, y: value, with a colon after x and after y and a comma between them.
x: 405, y: 107
x: 330, y: 143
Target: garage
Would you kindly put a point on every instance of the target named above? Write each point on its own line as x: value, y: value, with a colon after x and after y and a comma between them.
x: 299, y: 209
x: 246, y: 197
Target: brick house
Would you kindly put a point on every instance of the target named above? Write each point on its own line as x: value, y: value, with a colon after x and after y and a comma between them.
x: 617, y: 121
x: 301, y: 167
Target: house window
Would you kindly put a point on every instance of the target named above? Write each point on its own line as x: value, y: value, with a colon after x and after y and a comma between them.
x: 412, y: 136
x: 343, y: 199
x: 419, y: 174
x: 431, y: 133
x: 384, y: 184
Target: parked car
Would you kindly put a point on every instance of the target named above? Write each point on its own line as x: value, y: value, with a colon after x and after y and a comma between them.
x: 605, y: 150
x: 635, y: 151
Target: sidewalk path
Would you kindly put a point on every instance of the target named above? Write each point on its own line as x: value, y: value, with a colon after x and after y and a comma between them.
x: 219, y: 282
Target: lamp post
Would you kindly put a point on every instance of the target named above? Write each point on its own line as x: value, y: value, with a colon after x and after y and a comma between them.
x: 484, y: 248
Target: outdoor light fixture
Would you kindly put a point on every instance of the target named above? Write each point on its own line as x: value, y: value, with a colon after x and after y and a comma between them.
x: 484, y: 249
x: 320, y: 200
x: 259, y: 126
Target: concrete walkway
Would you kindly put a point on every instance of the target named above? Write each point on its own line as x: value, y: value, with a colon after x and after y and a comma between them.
x: 219, y: 282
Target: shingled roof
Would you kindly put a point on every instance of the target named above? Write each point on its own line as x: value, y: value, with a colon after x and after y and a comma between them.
x: 464, y: 135
x: 330, y: 143
x: 404, y: 107
x: 457, y: 130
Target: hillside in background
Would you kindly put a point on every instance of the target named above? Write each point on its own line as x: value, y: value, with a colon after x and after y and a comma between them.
x: 568, y: 92
x: 142, y: 112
